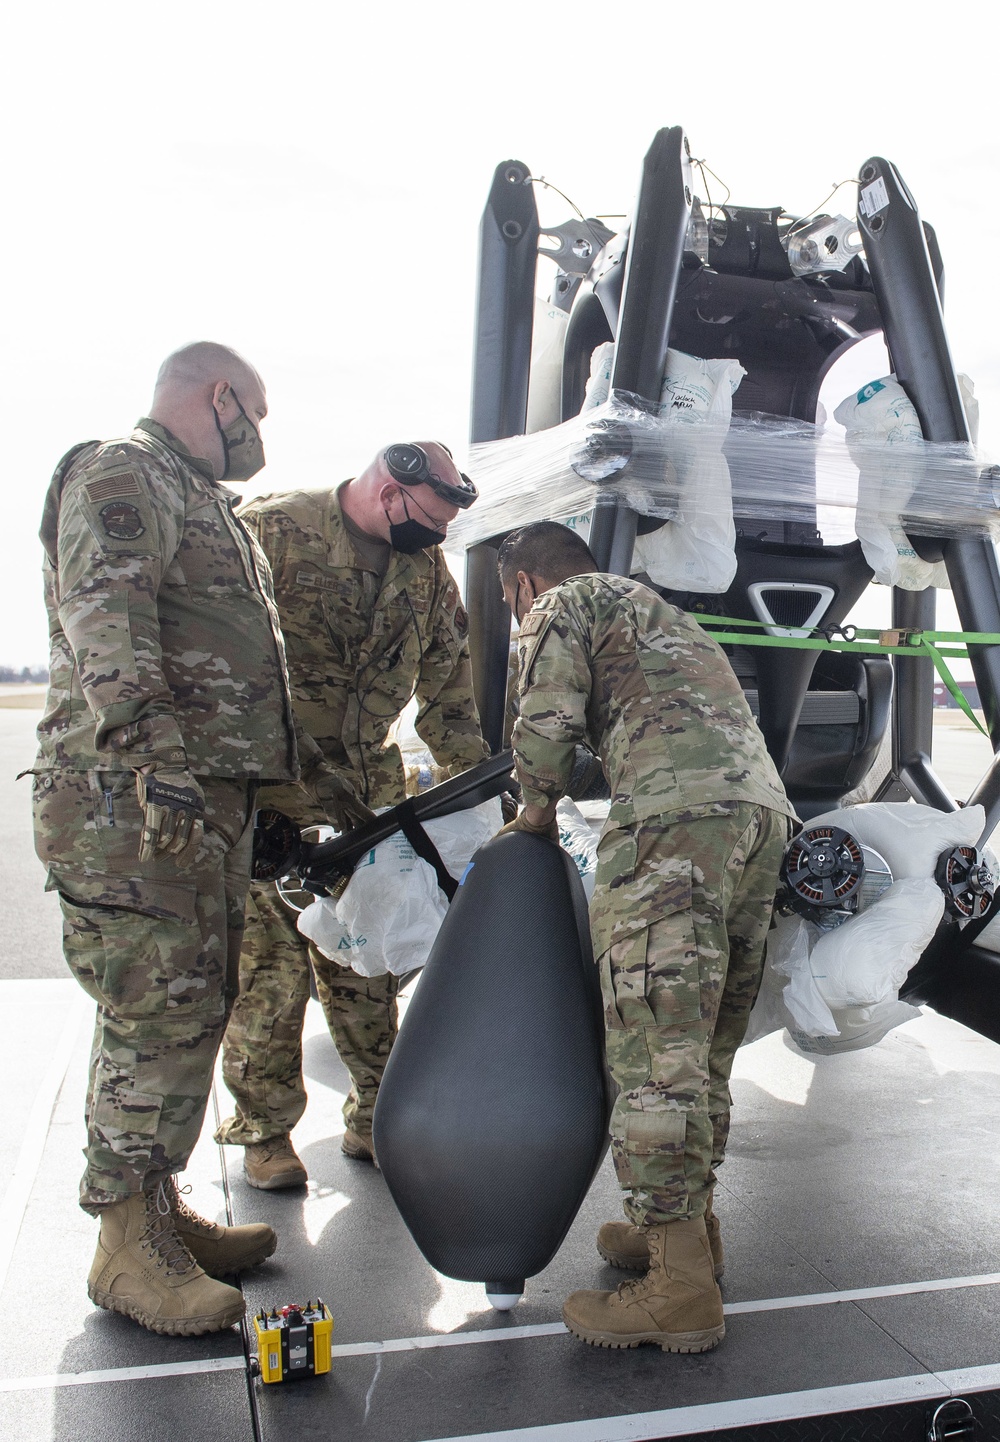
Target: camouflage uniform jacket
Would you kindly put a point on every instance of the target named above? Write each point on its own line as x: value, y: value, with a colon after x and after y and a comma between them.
x: 359, y: 647
x: 605, y: 661
x: 165, y: 642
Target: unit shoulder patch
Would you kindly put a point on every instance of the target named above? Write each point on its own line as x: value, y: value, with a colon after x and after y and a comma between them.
x: 122, y: 521
x: 117, y: 507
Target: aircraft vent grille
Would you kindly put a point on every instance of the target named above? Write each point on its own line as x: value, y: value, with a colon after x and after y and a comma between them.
x: 789, y: 608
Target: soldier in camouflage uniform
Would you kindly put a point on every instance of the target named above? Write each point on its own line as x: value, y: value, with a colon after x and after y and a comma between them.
x: 371, y: 617
x: 687, y: 870
x: 168, y: 704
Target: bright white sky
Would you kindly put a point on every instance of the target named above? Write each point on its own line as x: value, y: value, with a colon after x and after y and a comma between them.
x: 304, y: 181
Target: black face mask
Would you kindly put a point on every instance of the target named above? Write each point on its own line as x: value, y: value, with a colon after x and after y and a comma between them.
x: 410, y: 536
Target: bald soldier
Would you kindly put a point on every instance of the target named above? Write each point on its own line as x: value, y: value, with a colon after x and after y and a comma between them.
x: 372, y: 618
x: 168, y: 704
x: 687, y: 869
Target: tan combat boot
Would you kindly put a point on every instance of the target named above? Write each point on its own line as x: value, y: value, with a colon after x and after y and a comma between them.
x: 219, y: 1250
x: 358, y: 1147
x: 273, y: 1164
x: 143, y: 1270
x: 624, y: 1245
x: 677, y: 1303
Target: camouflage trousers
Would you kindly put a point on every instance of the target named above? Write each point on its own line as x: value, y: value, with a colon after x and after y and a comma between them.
x: 262, y: 1051
x: 686, y: 902
x: 156, y: 944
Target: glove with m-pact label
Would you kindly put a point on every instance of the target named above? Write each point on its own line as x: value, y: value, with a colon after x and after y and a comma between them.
x: 173, y: 812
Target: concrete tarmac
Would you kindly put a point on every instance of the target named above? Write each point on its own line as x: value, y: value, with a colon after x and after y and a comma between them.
x: 858, y: 1203
x: 30, y: 924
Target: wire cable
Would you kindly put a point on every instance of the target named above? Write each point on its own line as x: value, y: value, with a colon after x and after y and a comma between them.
x: 801, y: 220
x: 540, y: 180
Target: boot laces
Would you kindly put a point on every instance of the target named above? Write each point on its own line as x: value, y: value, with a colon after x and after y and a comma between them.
x: 272, y: 1147
x: 181, y: 1210
x: 637, y: 1284
x: 160, y: 1234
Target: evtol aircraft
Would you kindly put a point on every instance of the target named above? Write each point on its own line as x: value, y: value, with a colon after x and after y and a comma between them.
x: 862, y: 1288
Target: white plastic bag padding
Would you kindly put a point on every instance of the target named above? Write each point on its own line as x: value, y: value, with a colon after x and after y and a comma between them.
x: 548, y: 340
x: 696, y: 551
x: 838, y: 990
x: 859, y: 1027
x: 867, y: 959
x: 789, y: 948
x: 769, y: 1012
x: 884, y: 437
x: 576, y: 835
x: 842, y: 986
x: 318, y: 923
x: 390, y: 911
x: 910, y: 837
x: 602, y: 363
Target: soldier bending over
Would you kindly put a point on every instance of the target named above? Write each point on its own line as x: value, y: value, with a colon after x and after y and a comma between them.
x: 687, y: 870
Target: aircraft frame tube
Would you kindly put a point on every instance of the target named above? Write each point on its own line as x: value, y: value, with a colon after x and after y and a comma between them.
x: 505, y: 307
x: 652, y: 269
x: 653, y: 265
x: 913, y: 683
x: 489, y: 640
x: 975, y: 584
x: 906, y: 288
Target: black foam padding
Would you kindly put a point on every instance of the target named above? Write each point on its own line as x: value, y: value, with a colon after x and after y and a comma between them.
x: 492, y: 1116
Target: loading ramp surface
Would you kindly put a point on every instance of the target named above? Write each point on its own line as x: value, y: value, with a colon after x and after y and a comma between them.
x: 863, y: 1272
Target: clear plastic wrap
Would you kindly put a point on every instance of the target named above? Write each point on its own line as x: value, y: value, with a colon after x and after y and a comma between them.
x: 879, y: 419
x: 636, y: 452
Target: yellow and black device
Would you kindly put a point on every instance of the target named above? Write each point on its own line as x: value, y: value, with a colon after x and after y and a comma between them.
x: 293, y: 1341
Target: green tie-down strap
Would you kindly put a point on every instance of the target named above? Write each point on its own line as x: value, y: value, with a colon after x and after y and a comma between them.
x: 936, y: 645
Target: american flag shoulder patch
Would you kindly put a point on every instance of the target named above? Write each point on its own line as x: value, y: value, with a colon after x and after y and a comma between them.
x: 119, y: 483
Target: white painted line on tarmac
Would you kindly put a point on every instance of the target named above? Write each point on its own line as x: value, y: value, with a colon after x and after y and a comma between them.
x: 863, y: 1294
x: 450, y: 1339
x: 732, y: 1309
x: 124, y: 1374
x: 957, y: 1380
x: 771, y: 1304
x: 15, y: 1198
x: 714, y: 1416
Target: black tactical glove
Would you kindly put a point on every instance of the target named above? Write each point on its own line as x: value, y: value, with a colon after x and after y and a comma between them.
x: 343, y: 806
x: 587, y: 781
x: 173, y: 812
